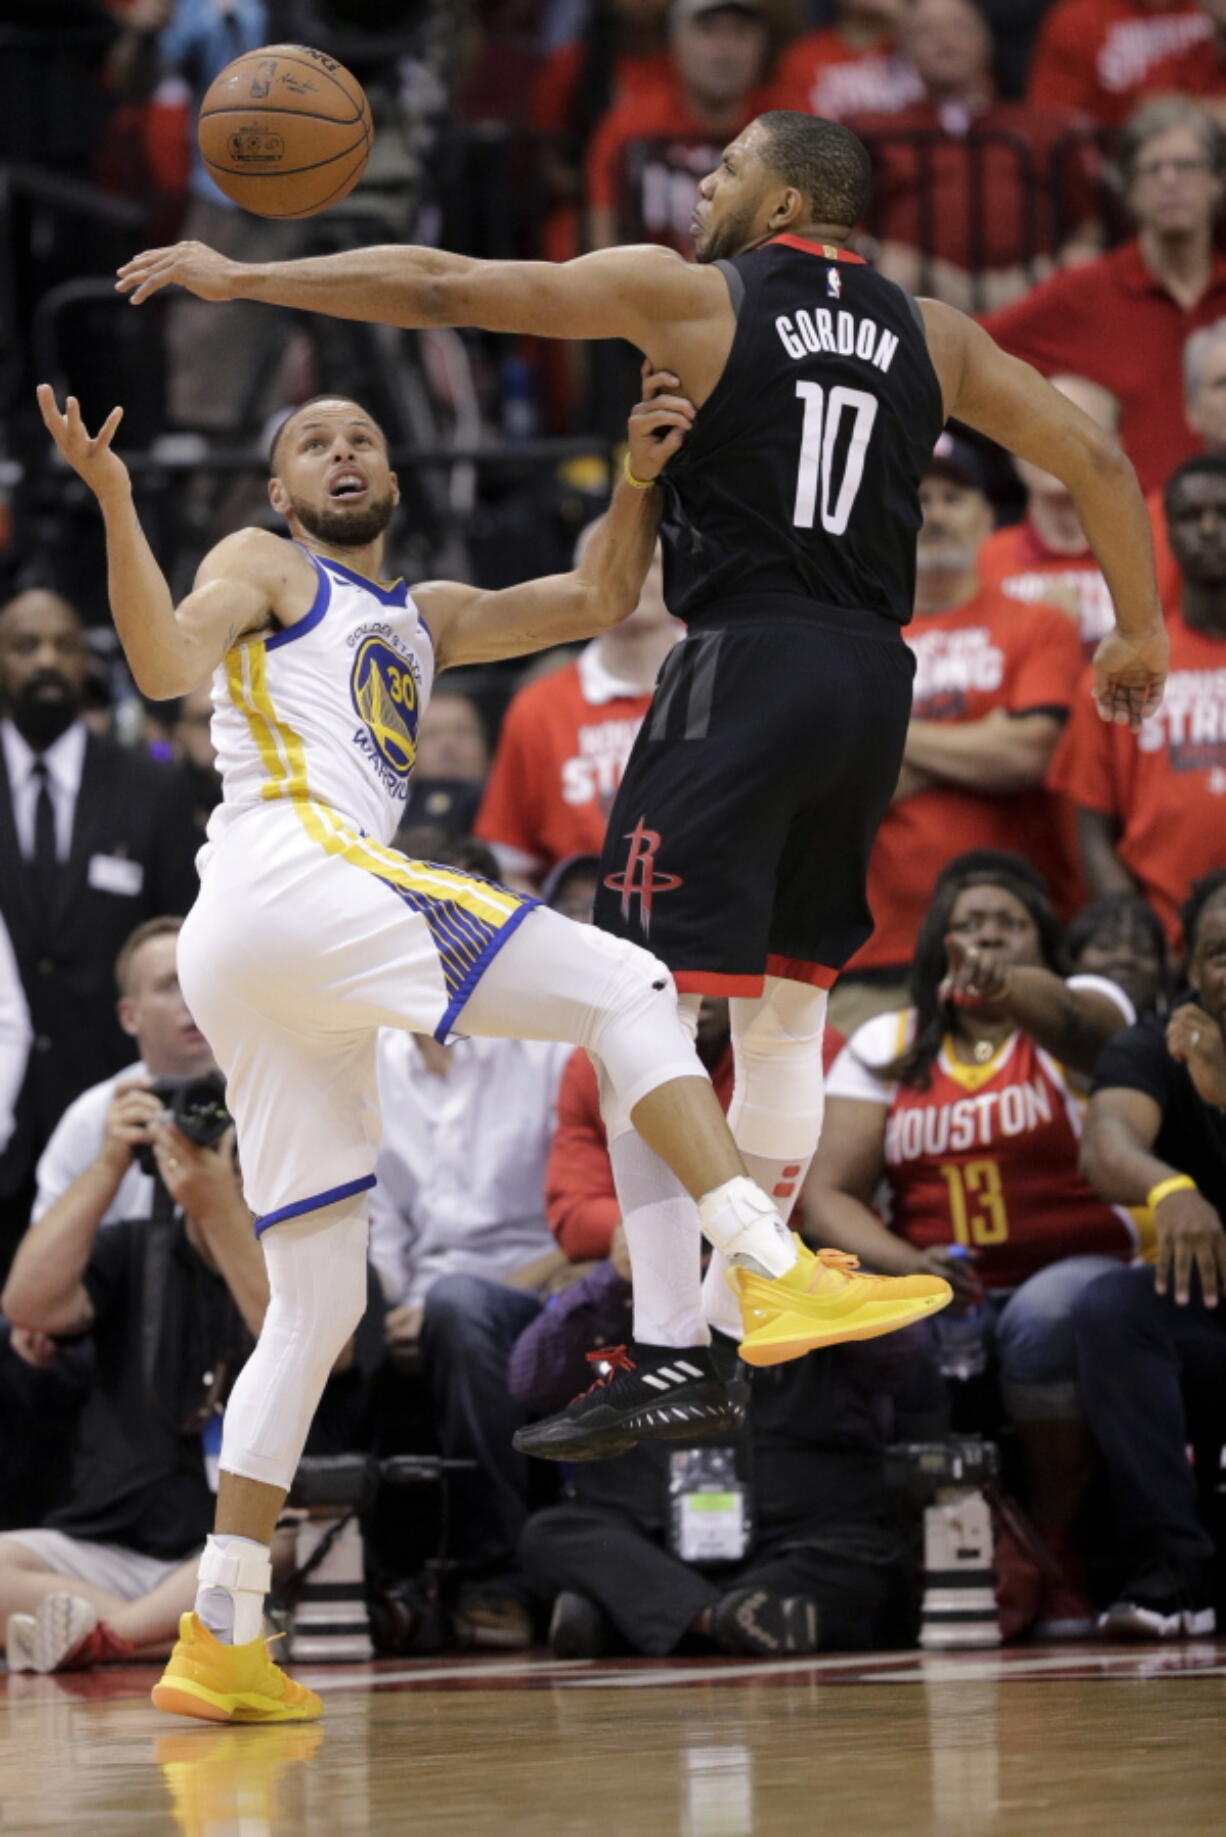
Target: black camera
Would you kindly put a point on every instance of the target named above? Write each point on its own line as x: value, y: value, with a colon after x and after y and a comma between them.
x: 197, y: 1108
x: 924, y: 1469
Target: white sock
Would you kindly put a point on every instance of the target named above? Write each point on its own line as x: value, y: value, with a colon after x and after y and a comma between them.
x: 664, y: 1242
x: 235, y: 1574
x: 719, y: 1302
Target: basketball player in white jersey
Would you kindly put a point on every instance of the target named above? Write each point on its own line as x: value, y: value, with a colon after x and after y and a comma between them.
x: 310, y: 933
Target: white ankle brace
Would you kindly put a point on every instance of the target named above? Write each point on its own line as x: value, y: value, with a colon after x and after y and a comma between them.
x: 241, y: 1565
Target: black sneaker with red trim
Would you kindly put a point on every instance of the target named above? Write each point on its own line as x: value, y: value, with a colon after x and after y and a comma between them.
x: 646, y: 1393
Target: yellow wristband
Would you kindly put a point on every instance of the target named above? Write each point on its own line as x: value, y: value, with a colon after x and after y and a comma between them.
x: 640, y: 484
x: 1178, y: 1183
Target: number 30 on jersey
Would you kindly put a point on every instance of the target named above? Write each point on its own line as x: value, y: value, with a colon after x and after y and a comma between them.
x: 816, y: 486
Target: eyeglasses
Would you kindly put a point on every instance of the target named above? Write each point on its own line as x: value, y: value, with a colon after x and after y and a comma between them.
x: 1154, y: 168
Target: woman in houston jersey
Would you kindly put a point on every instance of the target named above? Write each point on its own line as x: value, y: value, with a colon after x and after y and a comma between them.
x: 965, y: 1109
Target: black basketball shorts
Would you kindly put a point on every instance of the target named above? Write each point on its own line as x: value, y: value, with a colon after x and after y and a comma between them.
x: 739, y: 840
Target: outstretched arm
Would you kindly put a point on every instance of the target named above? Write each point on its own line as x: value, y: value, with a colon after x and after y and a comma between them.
x: 471, y: 625
x: 1011, y: 403
x: 613, y: 293
x: 169, y: 651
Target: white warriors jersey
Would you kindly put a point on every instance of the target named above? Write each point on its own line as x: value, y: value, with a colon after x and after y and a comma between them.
x: 326, y: 711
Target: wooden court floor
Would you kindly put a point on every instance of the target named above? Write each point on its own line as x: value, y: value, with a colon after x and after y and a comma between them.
x: 1037, y: 1742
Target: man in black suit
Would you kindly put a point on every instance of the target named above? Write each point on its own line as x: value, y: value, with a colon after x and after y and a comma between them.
x: 94, y: 838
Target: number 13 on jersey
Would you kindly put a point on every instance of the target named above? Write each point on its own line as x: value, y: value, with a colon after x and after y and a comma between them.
x: 976, y: 1202
x: 819, y: 437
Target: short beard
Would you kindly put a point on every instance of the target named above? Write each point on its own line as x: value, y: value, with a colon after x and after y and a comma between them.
x: 732, y: 238
x: 345, y: 529
x: 39, y: 719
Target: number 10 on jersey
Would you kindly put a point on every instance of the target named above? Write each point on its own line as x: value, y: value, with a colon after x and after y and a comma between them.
x: 818, y: 438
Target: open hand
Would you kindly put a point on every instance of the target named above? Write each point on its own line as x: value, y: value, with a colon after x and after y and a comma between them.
x: 192, y: 265
x: 1129, y: 676
x: 89, y: 455
x: 659, y: 423
x: 1189, y: 1232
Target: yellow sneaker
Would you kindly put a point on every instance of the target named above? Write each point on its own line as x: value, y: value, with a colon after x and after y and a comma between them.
x: 824, y: 1300
x: 229, y: 1683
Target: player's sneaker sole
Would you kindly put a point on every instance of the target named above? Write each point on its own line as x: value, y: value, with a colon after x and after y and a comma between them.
x: 19, y: 1642
x: 42, y: 1641
x: 218, y: 1683
x: 706, y: 1407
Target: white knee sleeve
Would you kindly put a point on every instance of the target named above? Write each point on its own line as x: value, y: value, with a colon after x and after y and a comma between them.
x: 777, y: 1098
x: 639, y: 1039
x: 317, y: 1283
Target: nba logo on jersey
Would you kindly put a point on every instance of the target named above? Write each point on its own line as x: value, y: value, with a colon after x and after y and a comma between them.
x: 834, y: 283
x: 384, y: 691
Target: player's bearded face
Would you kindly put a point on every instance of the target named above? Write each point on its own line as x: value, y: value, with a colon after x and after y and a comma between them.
x: 346, y: 526
x: 729, y: 229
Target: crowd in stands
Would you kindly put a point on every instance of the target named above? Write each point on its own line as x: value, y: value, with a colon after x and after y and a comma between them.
x: 1026, y: 1062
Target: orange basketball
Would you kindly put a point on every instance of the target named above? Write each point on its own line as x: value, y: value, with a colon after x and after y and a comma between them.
x: 285, y: 131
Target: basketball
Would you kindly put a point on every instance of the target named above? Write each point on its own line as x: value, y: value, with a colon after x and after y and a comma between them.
x: 285, y: 131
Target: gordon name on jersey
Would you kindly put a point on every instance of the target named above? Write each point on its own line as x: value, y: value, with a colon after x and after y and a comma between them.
x: 807, y: 331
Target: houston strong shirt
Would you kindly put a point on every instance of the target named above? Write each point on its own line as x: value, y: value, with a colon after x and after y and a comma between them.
x: 1167, y: 787
x: 561, y: 754
x: 991, y: 653
x: 987, y: 1155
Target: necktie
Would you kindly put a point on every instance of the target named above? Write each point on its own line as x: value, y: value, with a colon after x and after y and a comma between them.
x: 45, y: 862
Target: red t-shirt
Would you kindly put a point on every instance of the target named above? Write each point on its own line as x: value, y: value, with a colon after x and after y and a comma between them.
x: 1167, y: 786
x: 986, y: 1156
x: 580, y: 1200
x: 1017, y: 562
x: 1099, y: 56
x: 820, y: 75
x: 553, y: 98
x: 990, y: 653
x: 1112, y: 321
x: 657, y: 200
x: 1170, y: 580
x: 1016, y: 218
x: 558, y: 763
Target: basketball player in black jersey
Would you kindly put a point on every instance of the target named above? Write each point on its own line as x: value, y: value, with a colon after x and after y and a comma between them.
x: 739, y: 841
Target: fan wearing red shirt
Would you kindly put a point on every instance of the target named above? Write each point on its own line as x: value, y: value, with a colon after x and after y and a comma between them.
x: 963, y: 1112
x: 1152, y: 814
x: 959, y: 216
x: 714, y: 87
x: 581, y: 1203
x: 1123, y: 320
x: 993, y: 684
x: 1199, y: 69
x: 1046, y: 557
x: 1100, y: 56
x: 565, y: 740
x: 852, y: 67
x: 621, y: 52
x: 1204, y: 386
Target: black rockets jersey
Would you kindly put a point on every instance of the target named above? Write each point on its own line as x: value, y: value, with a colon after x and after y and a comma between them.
x: 800, y: 479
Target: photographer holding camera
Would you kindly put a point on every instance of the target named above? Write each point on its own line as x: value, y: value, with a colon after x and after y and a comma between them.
x: 90, y: 1174
x: 171, y: 1299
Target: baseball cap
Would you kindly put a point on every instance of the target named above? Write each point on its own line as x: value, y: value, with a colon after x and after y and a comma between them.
x: 958, y: 459
x: 694, y: 9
